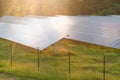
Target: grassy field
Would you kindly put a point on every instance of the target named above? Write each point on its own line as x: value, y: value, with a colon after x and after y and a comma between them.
x: 86, y: 62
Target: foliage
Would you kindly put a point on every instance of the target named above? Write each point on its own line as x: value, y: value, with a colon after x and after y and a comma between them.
x: 59, y: 7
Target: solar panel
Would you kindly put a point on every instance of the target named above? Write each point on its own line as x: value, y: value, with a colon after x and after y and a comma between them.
x: 31, y: 35
x: 42, y: 32
x: 77, y: 19
x: 94, y: 29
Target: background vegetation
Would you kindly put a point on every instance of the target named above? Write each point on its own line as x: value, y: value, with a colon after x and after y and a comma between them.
x: 59, y: 7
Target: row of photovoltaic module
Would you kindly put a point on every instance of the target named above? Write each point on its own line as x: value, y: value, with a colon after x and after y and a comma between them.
x: 39, y: 31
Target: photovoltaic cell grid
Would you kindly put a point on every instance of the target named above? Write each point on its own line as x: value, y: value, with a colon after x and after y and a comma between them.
x: 31, y: 35
x: 92, y: 29
x: 102, y: 30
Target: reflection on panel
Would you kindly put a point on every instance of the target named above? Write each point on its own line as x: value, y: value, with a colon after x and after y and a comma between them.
x: 41, y: 37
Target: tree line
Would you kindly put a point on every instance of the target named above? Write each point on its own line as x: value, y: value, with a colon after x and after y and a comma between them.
x: 59, y: 7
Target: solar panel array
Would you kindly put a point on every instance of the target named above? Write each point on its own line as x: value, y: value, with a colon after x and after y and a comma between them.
x: 40, y: 31
x: 97, y: 30
x: 31, y: 33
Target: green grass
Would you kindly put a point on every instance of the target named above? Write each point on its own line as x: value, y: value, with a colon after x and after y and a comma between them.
x: 86, y: 62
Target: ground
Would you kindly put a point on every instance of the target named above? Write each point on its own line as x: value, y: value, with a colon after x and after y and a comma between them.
x: 86, y: 62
